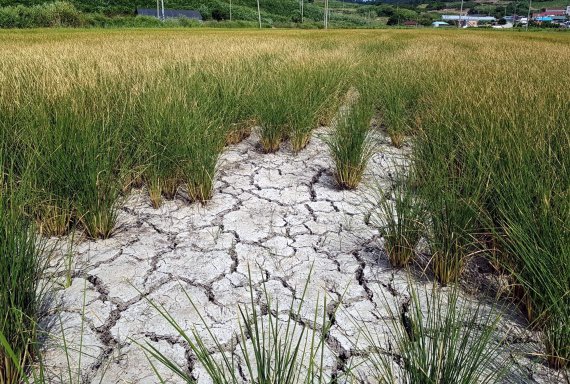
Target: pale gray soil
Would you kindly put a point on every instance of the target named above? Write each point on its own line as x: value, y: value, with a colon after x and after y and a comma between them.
x: 279, y: 214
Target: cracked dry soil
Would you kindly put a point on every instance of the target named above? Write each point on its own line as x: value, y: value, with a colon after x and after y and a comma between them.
x: 279, y: 214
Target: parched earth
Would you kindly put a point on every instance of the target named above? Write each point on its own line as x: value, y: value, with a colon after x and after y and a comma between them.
x: 278, y: 215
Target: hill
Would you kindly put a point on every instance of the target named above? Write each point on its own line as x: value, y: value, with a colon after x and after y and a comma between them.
x: 271, y: 10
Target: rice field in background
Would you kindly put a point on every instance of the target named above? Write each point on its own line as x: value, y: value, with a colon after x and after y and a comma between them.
x: 86, y: 115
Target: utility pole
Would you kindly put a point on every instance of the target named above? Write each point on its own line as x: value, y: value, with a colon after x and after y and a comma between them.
x: 460, y: 15
x: 515, y: 13
x: 259, y: 14
x: 162, y: 3
x: 398, y: 12
x: 528, y: 16
x: 157, y: 10
x: 302, y: 2
x: 326, y: 14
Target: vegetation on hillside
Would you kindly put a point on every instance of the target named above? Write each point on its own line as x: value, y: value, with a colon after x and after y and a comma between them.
x: 80, y: 13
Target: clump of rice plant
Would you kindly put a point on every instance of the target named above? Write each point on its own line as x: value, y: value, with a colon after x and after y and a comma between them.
x: 312, y: 94
x: 238, y: 132
x: 163, y: 147
x: 397, y: 106
x: 53, y: 218
x: 184, y: 135
x: 75, y: 158
x: 537, y: 240
x: 273, y: 125
x: 204, y: 151
x: 448, y: 238
x: 231, y: 101
x: 21, y: 266
x: 271, y: 113
x: 399, y: 215
x: 350, y: 145
x: 276, y: 347
x: 437, y: 337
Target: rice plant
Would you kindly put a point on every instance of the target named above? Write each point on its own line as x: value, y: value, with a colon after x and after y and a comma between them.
x: 87, y: 115
x: 272, y: 115
x: 232, y: 101
x: 314, y: 94
x: 39, y: 371
x: 350, y: 145
x: 204, y: 150
x: 21, y: 266
x: 74, y: 152
x: 400, y: 217
x: 282, y: 350
x: 437, y: 337
x: 537, y: 240
x: 399, y: 96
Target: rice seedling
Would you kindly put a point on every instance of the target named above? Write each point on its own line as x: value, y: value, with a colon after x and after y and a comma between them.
x: 400, y: 219
x: 350, y: 145
x: 273, y: 349
x: 437, y: 337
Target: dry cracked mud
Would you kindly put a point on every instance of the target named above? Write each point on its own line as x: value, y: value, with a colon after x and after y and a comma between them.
x: 278, y: 214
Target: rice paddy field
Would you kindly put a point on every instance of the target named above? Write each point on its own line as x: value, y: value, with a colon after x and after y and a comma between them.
x: 281, y: 206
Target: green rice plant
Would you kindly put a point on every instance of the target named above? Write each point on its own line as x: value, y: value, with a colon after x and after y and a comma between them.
x: 183, y: 135
x: 314, y: 93
x: 449, y: 223
x: 38, y: 371
x: 21, y: 265
x: 350, y: 144
x: 272, y: 114
x: 400, y: 216
x: 436, y: 336
x: 455, y: 185
x: 205, y: 147
x: 230, y: 100
x: 536, y: 239
x: 74, y: 152
x: 163, y: 148
x: 399, y: 103
x: 282, y: 350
